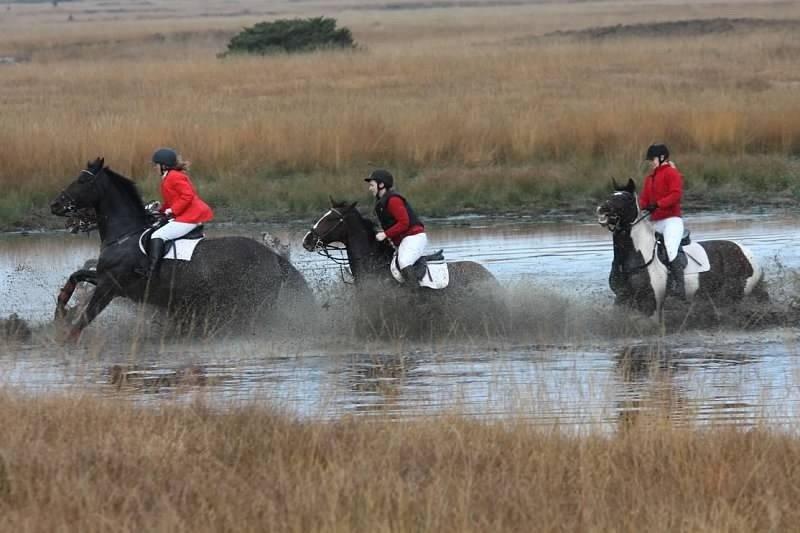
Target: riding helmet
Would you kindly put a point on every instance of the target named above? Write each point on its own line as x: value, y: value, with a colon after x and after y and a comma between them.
x: 657, y: 150
x: 381, y: 176
x: 166, y: 157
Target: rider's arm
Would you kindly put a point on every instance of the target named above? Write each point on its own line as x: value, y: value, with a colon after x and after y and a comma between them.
x: 675, y: 182
x: 644, y: 198
x: 397, y: 208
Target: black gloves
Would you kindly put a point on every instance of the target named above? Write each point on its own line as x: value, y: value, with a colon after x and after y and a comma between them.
x: 651, y: 207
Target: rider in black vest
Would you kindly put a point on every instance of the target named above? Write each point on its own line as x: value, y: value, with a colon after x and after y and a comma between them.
x: 399, y: 222
x: 386, y: 219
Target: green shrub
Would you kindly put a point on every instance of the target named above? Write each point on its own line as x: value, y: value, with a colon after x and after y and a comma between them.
x: 290, y: 35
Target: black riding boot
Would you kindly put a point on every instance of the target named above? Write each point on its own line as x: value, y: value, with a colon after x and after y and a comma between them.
x: 155, y: 249
x: 676, y: 285
x: 410, y: 276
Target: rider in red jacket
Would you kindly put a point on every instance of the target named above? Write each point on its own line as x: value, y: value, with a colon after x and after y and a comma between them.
x: 181, y: 199
x: 181, y: 204
x: 661, y: 196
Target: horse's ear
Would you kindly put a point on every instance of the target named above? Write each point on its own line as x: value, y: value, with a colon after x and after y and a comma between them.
x: 96, y: 165
x: 615, y: 184
x: 333, y: 204
x: 352, y: 206
x: 631, y: 186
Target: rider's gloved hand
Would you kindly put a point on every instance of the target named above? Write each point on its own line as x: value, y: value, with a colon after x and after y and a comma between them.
x: 168, y: 213
x: 380, y: 236
x: 651, y: 207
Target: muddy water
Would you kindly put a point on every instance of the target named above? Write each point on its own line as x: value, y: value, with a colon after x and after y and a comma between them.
x: 720, y: 376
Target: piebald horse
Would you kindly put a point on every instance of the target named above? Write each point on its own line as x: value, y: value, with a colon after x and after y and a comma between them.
x: 720, y: 270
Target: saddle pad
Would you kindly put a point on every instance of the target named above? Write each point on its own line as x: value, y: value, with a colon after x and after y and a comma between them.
x: 181, y: 250
x: 696, y: 259
x: 437, y: 276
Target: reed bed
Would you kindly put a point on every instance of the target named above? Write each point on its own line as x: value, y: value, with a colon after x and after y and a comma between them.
x: 103, y: 465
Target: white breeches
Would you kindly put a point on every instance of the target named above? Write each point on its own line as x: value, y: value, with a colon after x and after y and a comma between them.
x: 173, y: 230
x: 672, y: 230
x: 411, y: 248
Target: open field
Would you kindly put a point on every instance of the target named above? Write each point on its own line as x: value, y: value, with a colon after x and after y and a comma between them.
x: 106, y: 466
x: 475, y: 107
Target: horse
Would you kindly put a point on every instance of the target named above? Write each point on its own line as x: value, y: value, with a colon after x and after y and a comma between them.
x: 229, y: 280
x: 472, y: 293
x: 722, y: 271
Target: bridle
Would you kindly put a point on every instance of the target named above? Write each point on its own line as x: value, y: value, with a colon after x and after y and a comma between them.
x: 612, y: 222
x: 323, y: 248
x: 79, y: 219
x: 326, y: 249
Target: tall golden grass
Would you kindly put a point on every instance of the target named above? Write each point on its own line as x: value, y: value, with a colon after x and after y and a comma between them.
x: 83, y: 464
x: 425, y: 93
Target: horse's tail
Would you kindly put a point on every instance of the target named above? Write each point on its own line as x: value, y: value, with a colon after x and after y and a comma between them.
x: 755, y: 284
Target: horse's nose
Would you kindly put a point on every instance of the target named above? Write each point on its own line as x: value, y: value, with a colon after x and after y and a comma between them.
x: 309, y: 242
x: 56, y: 208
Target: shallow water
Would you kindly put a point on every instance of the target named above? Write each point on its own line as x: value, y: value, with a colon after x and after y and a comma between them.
x: 718, y: 376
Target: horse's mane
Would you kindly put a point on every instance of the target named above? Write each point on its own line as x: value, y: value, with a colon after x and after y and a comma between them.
x: 126, y: 185
x: 367, y: 223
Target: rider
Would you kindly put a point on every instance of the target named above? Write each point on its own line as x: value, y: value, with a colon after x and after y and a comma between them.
x: 661, y: 196
x: 181, y: 205
x: 399, y: 222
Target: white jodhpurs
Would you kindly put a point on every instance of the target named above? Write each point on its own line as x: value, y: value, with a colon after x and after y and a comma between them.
x: 173, y: 230
x: 672, y: 230
x: 411, y: 248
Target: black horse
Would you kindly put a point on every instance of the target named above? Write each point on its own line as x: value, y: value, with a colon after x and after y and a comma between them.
x: 473, y: 297
x: 229, y: 280
x: 721, y: 271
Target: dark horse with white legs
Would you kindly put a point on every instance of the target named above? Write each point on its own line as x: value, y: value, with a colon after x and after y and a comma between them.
x: 721, y: 271
x: 472, y: 289
x: 228, y: 281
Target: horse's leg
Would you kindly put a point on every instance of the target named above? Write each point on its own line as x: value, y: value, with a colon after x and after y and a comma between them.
x: 64, y: 295
x: 100, y: 299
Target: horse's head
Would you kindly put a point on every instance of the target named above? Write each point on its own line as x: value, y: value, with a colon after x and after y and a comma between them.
x: 83, y: 193
x: 621, y: 209
x: 78, y: 200
x: 331, y: 227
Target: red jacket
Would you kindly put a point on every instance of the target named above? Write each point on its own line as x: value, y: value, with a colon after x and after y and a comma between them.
x: 180, y: 195
x: 663, y: 187
x: 402, y: 227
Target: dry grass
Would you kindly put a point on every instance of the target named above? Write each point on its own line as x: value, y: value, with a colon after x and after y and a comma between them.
x: 434, y: 91
x: 81, y: 464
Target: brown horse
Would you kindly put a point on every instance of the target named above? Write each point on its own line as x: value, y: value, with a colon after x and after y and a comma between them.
x: 473, y: 298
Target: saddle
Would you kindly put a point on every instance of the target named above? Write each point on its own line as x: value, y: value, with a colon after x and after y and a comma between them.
x: 686, y: 240
x: 174, y: 248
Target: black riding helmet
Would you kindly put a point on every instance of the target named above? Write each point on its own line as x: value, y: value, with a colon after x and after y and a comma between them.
x: 166, y: 157
x: 381, y: 176
x: 657, y: 150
